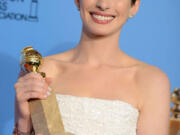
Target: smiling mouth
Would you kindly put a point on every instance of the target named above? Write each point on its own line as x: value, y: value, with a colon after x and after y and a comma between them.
x: 102, y: 17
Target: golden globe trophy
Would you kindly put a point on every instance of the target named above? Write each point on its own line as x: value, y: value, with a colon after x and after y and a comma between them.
x: 45, y: 114
x: 175, y: 118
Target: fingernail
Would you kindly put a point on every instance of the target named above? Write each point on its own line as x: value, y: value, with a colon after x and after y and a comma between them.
x: 45, y: 96
x: 49, y: 89
x: 48, y: 93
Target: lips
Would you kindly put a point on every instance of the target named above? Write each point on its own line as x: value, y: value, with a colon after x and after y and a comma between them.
x: 102, y: 18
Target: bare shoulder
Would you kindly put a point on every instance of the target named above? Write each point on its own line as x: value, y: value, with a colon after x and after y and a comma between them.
x: 55, y: 64
x: 152, y: 82
x: 52, y: 65
x: 48, y: 66
x: 151, y: 75
x: 148, y: 74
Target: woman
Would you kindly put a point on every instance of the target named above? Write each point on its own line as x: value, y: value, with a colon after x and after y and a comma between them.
x: 103, y: 90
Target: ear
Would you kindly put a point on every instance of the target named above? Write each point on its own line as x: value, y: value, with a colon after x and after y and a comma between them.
x: 134, y: 8
x: 77, y: 3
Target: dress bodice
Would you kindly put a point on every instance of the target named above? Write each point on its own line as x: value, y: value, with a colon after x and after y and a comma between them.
x: 95, y: 116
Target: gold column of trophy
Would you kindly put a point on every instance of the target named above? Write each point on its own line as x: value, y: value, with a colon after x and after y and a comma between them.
x: 45, y: 114
x: 175, y: 118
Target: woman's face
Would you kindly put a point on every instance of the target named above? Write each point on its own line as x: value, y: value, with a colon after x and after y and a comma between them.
x: 105, y: 17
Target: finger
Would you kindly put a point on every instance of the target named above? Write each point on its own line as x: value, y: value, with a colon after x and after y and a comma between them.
x: 25, y: 96
x: 36, y: 86
x: 31, y: 86
x: 35, y: 95
x: 33, y: 75
x: 21, y: 88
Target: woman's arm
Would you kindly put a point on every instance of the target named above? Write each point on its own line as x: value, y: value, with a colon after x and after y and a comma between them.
x: 155, y: 104
x: 28, y: 86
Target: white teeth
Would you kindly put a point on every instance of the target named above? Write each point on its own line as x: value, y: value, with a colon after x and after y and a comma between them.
x: 103, y: 18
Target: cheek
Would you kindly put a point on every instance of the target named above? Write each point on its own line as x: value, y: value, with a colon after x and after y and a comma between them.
x: 123, y: 8
x: 85, y: 6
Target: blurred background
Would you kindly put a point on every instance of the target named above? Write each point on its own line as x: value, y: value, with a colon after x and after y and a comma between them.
x: 153, y: 36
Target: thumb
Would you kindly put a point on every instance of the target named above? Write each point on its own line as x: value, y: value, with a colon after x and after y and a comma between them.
x: 48, y: 80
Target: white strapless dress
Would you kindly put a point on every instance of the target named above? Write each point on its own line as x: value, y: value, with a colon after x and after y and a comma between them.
x: 95, y: 116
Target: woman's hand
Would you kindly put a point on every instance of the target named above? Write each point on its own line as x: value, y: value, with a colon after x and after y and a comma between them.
x: 29, y: 86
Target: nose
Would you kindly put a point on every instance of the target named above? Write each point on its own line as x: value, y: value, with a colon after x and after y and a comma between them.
x: 103, y: 4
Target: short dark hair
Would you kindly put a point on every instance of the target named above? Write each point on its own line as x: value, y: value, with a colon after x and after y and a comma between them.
x: 133, y: 2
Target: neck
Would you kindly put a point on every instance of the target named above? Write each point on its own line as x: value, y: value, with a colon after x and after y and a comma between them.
x: 96, y: 51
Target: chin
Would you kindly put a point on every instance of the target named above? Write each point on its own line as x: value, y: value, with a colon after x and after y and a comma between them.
x: 98, y: 32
